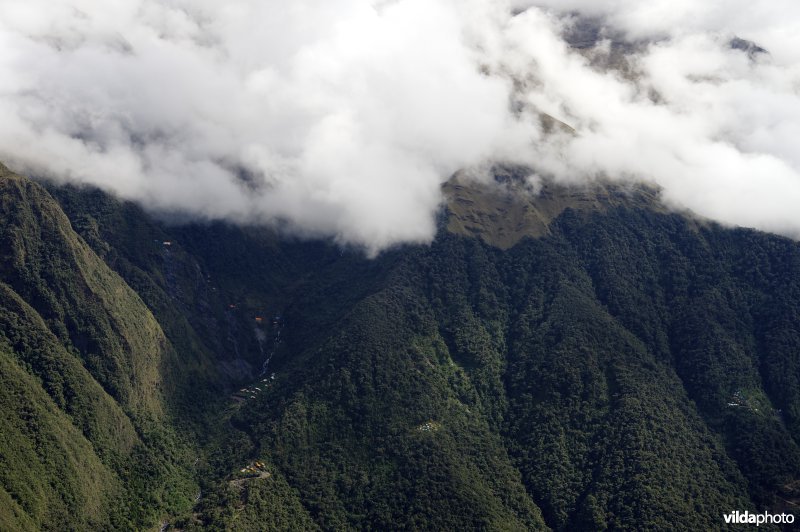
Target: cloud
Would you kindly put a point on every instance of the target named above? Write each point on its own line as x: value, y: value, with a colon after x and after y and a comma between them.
x: 712, y: 125
x: 342, y: 118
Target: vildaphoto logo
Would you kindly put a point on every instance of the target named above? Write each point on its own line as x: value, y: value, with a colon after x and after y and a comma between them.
x: 766, y: 518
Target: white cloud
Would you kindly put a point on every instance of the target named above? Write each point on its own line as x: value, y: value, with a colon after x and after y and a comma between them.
x: 344, y: 117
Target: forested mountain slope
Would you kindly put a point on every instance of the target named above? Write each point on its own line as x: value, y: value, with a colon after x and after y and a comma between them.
x: 627, y: 368
x: 87, y: 437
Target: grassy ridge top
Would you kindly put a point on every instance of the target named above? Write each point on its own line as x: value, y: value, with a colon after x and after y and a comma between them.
x: 507, y: 209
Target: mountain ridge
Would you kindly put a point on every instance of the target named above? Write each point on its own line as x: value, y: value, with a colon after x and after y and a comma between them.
x: 581, y: 379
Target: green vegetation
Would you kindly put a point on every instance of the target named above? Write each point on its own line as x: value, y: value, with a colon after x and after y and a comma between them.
x: 507, y: 210
x: 626, y: 369
x: 87, y: 440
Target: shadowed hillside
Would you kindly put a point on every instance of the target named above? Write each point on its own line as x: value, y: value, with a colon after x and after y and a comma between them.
x: 573, y: 360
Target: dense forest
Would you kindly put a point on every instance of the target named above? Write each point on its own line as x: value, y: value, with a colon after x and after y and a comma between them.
x: 622, y: 368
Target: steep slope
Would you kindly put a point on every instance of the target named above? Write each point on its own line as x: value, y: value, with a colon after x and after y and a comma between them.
x: 204, y: 283
x: 423, y: 397
x: 272, y: 275
x: 367, y: 417
x: 720, y: 306
x: 87, y: 440
x: 50, y: 472
x: 84, y: 303
x: 621, y: 364
x: 606, y: 365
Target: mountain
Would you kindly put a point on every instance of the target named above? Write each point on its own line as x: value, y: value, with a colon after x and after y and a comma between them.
x: 86, y: 368
x: 566, y: 360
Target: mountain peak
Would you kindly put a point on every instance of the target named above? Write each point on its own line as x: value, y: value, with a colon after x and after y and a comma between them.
x: 503, y: 211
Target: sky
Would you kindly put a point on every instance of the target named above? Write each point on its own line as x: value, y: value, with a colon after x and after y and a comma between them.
x: 342, y: 118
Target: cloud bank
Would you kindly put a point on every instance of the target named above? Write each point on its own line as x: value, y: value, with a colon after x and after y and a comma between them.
x: 342, y: 118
